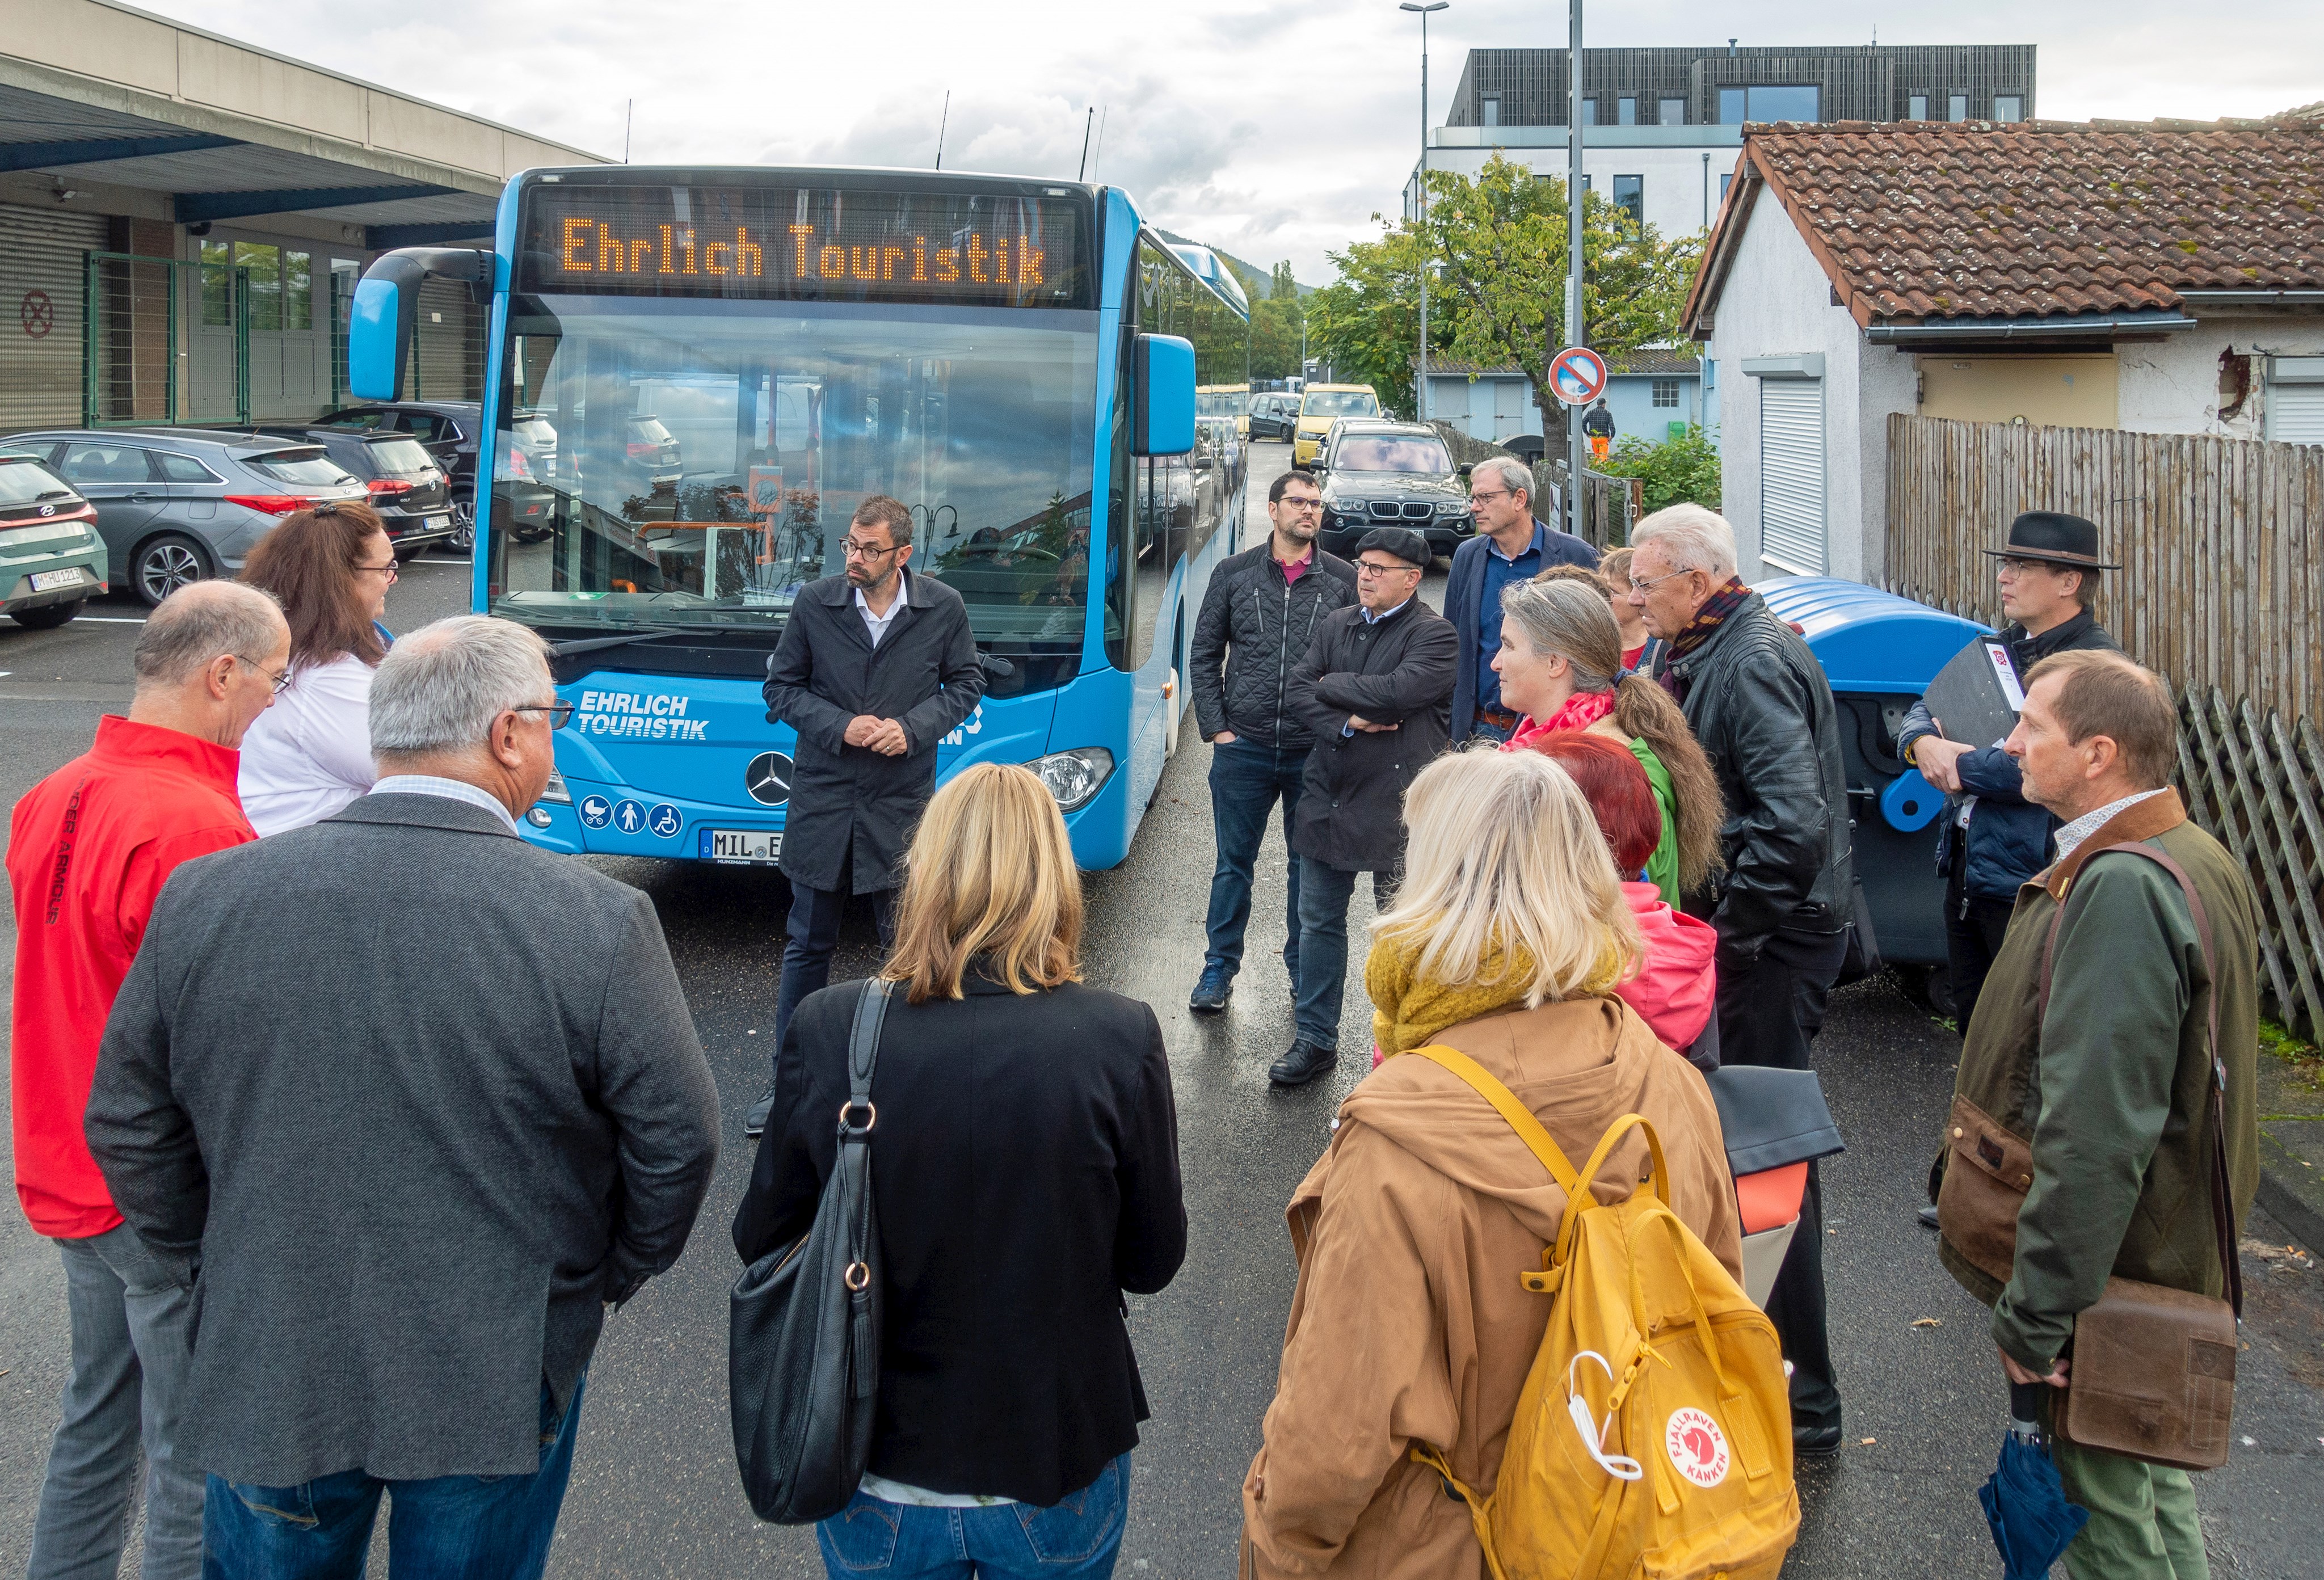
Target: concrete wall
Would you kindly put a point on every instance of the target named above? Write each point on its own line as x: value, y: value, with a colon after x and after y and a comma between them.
x: 1777, y: 302
x: 2173, y: 386
x: 2048, y: 391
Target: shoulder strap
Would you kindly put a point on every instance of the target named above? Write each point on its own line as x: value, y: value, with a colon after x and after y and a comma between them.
x: 1521, y: 1118
x: 864, y: 1040
x: 2223, y: 1210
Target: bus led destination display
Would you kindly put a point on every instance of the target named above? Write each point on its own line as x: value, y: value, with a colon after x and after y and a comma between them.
x: 1001, y: 250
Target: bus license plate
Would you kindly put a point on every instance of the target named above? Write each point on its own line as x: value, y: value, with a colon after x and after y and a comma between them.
x: 759, y: 845
x: 49, y: 581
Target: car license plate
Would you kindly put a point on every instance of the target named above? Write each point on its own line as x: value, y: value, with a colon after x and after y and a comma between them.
x: 438, y: 523
x: 753, y: 845
x: 49, y: 581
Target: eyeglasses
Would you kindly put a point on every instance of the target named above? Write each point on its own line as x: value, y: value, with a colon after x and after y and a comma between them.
x: 1373, y: 567
x: 1647, y: 586
x: 1491, y: 493
x: 278, y: 681
x: 390, y: 571
x: 853, y: 549
x: 1293, y: 502
x: 2018, y: 567
x: 559, y: 712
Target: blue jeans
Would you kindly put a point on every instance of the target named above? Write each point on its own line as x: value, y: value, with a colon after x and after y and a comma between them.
x: 444, y: 1527
x: 1079, y: 1537
x: 1246, y: 780
x: 1324, y: 891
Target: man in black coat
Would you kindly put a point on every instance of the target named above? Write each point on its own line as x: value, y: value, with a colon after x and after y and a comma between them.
x: 1259, y: 615
x: 1762, y: 708
x: 1374, y: 690
x: 876, y: 666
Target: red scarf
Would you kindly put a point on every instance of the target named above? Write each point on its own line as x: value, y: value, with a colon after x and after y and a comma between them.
x: 1582, y: 710
x: 1725, y: 599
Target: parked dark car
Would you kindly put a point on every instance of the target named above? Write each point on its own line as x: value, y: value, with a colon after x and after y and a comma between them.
x: 1274, y: 415
x: 51, y: 559
x: 1378, y: 473
x: 405, y: 485
x: 176, y: 505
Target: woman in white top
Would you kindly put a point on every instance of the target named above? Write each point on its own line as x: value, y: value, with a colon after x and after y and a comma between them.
x: 330, y: 567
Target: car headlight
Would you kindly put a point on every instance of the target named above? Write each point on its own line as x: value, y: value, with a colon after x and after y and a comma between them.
x: 1074, y: 777
x: 1451, y: 507
x: 555, y: 792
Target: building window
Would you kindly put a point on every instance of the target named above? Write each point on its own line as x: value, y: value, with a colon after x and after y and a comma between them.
x: 1666, y: 393
x: 1957, y: 107
x: 1630, y: 198
x: 2008, y: 107
x: 1674, y: 111
x: 1590, y: 112
x: 298, y: 291
x: 1916, y: 108
x: 1730, y: 107
x: 1724, y: 182
x: 1626, y: 112
x: 1794, y: 103
x: 1490, y: 116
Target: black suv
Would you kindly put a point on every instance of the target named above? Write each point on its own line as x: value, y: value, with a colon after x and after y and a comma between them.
x: 1383, y: 473
x: 406, y: 486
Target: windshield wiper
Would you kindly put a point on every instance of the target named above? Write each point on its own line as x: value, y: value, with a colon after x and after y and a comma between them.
x: 597, y: 644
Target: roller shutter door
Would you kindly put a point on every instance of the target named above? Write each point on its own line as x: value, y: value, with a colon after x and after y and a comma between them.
x: 40, y: 293
x: 2295, y: 413
x: 449, y: 350
x: 1791, y: 474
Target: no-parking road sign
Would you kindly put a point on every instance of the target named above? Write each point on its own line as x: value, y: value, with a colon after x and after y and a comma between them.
x: 1577, y: 375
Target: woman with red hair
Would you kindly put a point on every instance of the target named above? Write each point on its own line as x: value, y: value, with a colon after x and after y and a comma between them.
x: 1676, y: 982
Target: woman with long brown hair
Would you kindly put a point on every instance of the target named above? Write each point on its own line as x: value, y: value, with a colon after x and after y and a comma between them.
x: 1025, y: 1168
x: 310, y: 754
x: 1559, y: 653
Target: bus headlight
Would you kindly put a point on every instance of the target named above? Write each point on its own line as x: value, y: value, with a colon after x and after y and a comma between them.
x: 1074, y: 777
x: 555, y: 792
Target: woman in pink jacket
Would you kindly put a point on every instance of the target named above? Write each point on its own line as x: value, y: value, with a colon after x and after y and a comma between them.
x: 1676, y: 984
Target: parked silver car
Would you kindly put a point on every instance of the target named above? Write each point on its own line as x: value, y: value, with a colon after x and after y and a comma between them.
x: 176, y: 505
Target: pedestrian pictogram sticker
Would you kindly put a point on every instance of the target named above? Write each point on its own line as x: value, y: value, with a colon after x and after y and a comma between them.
x: 1577, y: 375
x: 37, y: 314
x: 630, y: 816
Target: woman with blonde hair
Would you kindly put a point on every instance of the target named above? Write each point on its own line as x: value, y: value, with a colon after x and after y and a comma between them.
x: 1025, y: 1169
x: 1560, y: 659
x: 1408, y: 1326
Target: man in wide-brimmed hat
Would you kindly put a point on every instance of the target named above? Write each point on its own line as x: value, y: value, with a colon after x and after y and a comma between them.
x: 1993, y: 840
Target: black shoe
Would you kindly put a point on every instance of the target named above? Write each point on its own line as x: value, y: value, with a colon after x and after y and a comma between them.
x: 1211, y: 993
x: 1928, y: 1215
x: 1302, y: 1064
x: 755, y: 1120
x: 1815, y: 1442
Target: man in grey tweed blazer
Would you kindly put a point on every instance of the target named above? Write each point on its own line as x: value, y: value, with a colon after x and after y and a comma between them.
x: 407, y: 1103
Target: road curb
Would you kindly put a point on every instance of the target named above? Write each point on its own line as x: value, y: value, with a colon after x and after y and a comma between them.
x: 2281, y: 1192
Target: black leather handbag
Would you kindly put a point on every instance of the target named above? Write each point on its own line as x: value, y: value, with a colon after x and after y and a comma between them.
x: 802, y: 1325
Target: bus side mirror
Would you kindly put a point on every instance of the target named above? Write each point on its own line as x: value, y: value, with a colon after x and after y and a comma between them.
x: 1165, y: 418
x: 385, y: 317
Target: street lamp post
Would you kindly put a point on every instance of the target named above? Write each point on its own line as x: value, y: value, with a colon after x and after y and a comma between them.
x: 1575, y: 330
x: 1425, y: 404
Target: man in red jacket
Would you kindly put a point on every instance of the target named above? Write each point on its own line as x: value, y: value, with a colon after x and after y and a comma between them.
x: 89, y: 849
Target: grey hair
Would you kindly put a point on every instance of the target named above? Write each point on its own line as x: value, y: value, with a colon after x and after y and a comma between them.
x: 439, y: 689
x: 1691, y: 537
x: 1515, y: 475
x: 203, y: 623
x: 1570, y: 617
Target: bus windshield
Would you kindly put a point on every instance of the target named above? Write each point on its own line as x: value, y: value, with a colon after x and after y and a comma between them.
x: 691, y: 464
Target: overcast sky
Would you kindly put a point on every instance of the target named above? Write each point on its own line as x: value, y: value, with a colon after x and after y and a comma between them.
x: 1272, y: 130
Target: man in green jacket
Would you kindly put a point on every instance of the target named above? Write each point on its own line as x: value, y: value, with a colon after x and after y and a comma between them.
x: 2110, y: 1084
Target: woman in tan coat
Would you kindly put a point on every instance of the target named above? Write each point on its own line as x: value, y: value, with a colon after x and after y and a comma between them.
x: 1409, y: 1325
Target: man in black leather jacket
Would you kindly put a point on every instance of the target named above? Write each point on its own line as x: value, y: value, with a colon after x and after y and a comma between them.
x: 1762, y: 710
x: 1259, y: 614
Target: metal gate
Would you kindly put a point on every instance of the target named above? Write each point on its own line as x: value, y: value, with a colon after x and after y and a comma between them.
x: 41, y: 318
x: 129, y: 349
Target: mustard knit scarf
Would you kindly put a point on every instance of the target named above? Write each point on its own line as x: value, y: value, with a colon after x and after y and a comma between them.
x: 1409, y: 1012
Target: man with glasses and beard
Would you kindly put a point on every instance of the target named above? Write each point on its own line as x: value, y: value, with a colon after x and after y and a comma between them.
x: 1259, y: 616
x: 1510, y: 545
x: 876, y: 666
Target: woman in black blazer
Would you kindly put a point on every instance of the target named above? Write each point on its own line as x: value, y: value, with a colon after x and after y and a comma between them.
x: 1025, y: 1165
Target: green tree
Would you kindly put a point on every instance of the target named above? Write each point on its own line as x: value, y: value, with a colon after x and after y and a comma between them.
x: 1495, y: 248
x: 1275, y: 320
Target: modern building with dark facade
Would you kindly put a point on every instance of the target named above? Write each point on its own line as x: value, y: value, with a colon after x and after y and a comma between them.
x: 1727, y: 86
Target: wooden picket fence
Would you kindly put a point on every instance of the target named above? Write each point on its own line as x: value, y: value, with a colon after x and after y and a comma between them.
x: 2221, y: 592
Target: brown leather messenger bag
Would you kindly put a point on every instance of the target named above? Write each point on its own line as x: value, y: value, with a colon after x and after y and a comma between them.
x: 2153, y: 1373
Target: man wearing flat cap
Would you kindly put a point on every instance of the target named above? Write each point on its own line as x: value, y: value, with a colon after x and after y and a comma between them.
x: 1376, y: 692
x: 1993, y: 841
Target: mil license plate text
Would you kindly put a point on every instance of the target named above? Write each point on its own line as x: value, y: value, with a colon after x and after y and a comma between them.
x: 759, y: 845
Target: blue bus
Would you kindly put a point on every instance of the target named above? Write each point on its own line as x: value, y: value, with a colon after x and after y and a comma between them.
x: 693, y: 375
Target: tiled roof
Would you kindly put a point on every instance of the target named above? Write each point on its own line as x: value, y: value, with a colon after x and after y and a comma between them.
x: 1924, y: 221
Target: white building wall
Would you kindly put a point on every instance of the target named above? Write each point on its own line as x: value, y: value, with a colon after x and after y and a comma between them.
x: 2173, y: 386
x: 1680, y: 165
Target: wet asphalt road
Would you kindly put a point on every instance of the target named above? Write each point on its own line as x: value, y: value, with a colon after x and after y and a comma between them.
x: 654, y: 1491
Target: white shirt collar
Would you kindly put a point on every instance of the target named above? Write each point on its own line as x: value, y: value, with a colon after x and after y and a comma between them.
x: 1371, y: 619
x: 878, y: 624
x: 449, y: 789
x: 2073, y: 833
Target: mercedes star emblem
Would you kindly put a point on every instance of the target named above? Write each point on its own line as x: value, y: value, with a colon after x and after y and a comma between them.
x: 769, y: 778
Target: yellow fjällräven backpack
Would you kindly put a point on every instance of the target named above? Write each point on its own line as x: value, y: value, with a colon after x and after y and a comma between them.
x: 1654, y: 1437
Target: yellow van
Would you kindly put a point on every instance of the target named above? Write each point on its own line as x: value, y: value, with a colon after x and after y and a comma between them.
x: 1323, y: 405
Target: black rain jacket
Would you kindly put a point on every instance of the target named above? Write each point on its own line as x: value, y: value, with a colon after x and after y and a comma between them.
x: 1254, y: 630
x: 1399, y: 671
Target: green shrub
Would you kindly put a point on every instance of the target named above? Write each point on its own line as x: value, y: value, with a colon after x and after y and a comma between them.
x: 1683, y: 470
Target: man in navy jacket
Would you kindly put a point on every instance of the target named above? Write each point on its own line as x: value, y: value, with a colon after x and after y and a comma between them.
x: 1510, y: 545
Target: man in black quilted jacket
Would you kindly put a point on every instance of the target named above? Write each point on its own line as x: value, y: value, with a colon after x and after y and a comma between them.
x: 1761, y: 708
x: 1259, y: 616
